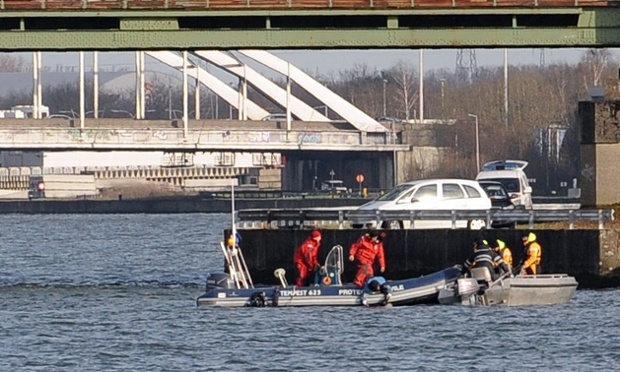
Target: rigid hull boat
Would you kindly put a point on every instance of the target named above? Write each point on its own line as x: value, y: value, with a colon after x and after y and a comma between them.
x: 234, y: 289
x: 520, y: 290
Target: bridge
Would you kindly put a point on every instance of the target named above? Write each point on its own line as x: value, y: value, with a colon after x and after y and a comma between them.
x: 263, y: 24
x: 201, y: 135
x: 187, y: 25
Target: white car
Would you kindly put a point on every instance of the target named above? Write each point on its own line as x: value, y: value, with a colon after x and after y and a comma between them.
x: 276, y: 117
x: 511, y: 174
x: 432, y: 194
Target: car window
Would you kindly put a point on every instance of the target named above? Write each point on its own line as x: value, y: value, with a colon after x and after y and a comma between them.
x: 394, y: 193
x: 495, y: 191
x: 472, y: 192
x: 426, y: 192
x: 406, y: 198
x: 510, y: 184
x: 452, y: 191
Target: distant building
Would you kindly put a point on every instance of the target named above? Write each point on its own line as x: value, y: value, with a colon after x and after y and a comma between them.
x: 23, y: 112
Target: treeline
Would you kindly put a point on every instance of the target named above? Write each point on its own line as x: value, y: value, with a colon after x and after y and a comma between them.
x: 542, y: 106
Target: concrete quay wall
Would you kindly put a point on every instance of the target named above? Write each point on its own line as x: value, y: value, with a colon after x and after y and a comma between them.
x: 592, y: 256
x: 165, y: 205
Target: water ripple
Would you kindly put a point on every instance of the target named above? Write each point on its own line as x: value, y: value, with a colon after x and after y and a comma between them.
x: 105, y: 292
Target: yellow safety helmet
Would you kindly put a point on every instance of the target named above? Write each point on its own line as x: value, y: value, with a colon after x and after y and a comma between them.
x: 531, y: 237
x: 501, y: 244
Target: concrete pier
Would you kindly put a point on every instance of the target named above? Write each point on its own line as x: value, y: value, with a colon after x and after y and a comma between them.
x: 592, y: 256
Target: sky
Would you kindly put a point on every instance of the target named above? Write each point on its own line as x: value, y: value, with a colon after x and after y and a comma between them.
x: 326, y: 62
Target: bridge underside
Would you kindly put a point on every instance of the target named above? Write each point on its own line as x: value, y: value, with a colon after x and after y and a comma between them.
x: 42, y: 30
x: 306, y: 170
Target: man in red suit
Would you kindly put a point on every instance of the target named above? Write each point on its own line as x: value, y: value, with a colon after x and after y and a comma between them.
x: 306, y: 258
x: 365, y: 251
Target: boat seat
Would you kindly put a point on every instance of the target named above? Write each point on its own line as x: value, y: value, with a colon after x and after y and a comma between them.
x: 481, y: 274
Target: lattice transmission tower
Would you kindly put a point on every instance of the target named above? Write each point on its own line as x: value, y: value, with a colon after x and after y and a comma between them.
x: 542, y: 61
x: 466, y: 64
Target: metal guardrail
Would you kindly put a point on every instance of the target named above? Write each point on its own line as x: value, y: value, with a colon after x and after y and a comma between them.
x: 343, y: 217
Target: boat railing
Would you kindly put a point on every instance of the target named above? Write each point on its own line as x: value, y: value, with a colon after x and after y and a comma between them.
x: 237, y: 268
x: 334, y: 265
x: 335, y: 258
x: 280, y: 273
x: 543, y: 276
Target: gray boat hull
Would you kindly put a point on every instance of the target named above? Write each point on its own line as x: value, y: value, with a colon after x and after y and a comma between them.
x: 522, y: 290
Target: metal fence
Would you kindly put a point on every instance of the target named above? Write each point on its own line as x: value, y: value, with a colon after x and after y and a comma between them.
x: 345, y: 218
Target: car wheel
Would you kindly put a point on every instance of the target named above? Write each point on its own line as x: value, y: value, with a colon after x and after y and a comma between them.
x: 476, y: 224
x: 392, y: 225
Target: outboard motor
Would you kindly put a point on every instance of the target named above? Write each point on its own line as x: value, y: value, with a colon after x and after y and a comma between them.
x: 466, y: 287
x: 219, y: 280
x: 258, y: 299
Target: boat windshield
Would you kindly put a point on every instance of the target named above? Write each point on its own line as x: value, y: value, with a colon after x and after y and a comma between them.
x: 334, y: 260
x: 394, y: 193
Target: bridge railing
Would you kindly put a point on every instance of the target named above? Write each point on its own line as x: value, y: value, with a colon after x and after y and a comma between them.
x: 102, y: 5
x: 79, y: 138
x: 343, y: 218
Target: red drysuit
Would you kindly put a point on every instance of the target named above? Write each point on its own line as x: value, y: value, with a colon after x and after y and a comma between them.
x: 365, y: 252
x: 306, y: 259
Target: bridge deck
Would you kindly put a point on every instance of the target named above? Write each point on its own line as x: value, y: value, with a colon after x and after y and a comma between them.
x: 202, y: 135
x: 39, y: 25
x: 103, y: 5
x: 207, y: 125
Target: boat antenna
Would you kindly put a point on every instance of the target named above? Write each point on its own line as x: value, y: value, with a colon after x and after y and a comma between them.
x: 232, y: 210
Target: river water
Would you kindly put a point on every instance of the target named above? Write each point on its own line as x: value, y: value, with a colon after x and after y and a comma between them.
x: 117, y: 292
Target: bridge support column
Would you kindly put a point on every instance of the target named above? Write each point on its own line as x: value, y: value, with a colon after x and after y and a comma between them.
x: 600, y: 151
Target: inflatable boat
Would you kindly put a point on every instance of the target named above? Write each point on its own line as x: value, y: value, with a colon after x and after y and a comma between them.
x: 235, y: 288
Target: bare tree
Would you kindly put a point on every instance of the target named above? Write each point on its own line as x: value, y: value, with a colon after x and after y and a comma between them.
x: 404, y: 76
x: 10, y: 63
x: 595, y: 62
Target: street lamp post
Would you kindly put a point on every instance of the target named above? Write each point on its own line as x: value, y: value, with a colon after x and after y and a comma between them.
x: 395, y: 162
x: 384, y: 97
x: 477, y: 143
x: 443, y: 112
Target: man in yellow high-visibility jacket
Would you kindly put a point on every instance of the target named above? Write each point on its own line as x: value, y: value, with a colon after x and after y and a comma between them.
x: 505, y: 253
x: 531, y: 255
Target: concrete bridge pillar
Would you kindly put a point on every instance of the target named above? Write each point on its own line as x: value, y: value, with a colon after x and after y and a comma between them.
x: 600, y: 151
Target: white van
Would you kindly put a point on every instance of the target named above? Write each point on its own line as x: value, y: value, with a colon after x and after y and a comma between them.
x: 432, y: 194
x: 511, y: 174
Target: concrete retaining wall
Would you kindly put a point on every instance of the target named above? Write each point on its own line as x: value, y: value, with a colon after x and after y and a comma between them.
x: 165, y: 205
x: 592, y: 256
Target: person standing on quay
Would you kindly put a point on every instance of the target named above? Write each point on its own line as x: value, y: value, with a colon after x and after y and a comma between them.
x: 365, y: 251
x: 306, y: 258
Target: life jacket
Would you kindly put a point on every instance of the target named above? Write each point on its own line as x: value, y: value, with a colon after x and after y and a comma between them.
x: 532, y: 254
x: 365, y: 251
x: 506, y: 255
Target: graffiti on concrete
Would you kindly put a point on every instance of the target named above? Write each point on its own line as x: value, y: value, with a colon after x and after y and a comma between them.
x: 309, y: 138
x: 587, y: 172
x: 259, y: 137
x: 161, y: 135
